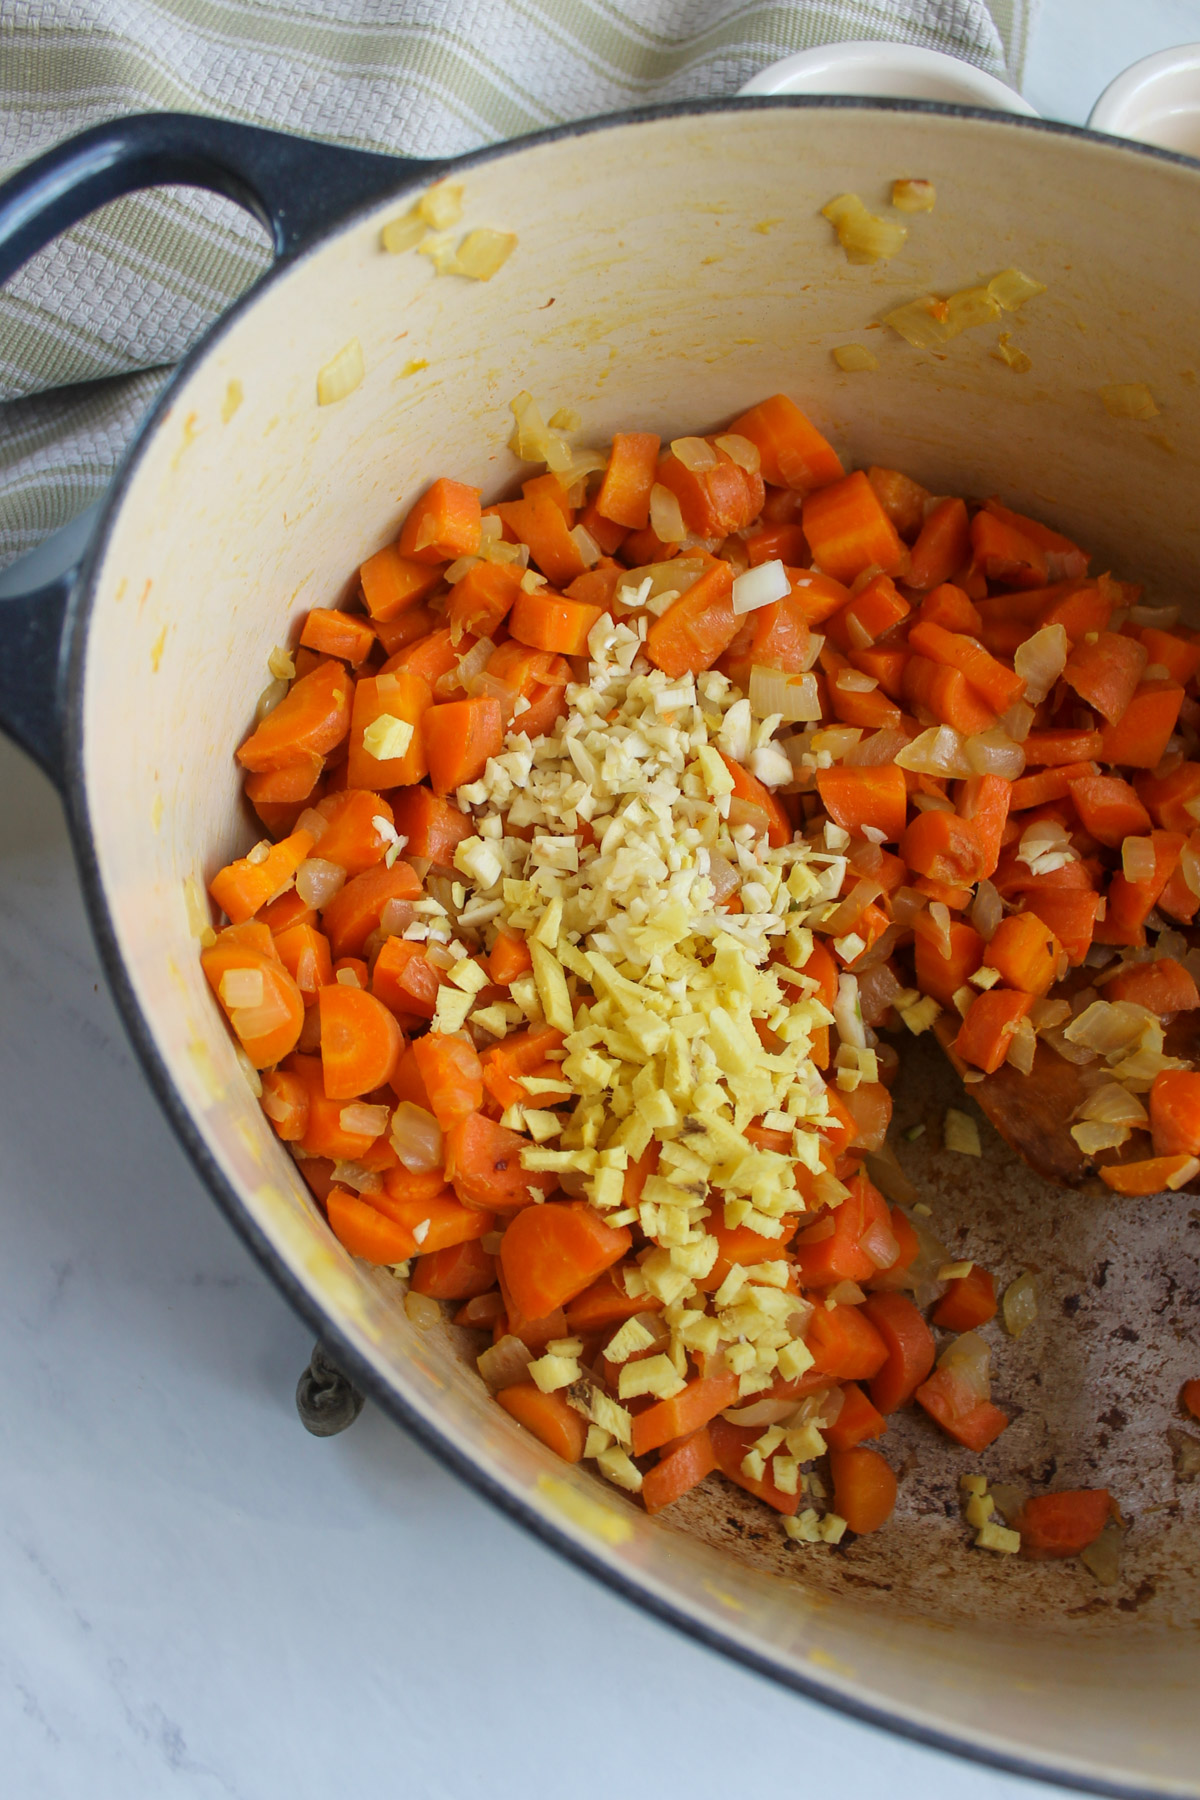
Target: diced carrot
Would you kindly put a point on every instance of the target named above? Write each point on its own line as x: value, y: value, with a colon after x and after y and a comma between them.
x: 849, y: 530
x: 772, y: 637
x: 405, y: 628
x: 1175, y: 1112
x: 1070, y: 914
x: 392, y: 583
x: 551, y: 1253
x: 1026, y: 952
x: 864, y: 1488
x: 947, y: 694
x: 739, y: 1244
x: 645, y: 546
x: 855, y: 798
x: 948, y: 606
x: 345, y: 635
x: 1063, y: 558
x: 753, y: 797
x: 872, y: 709
x: 404, y: 979
x: 1189, y: 1396
x: 785, y: 543
x: 604, y: 532
x: 1139, y: 738
x: 312, y: 719
x: 902, y: 499
x: 430, y: 824
x: 938, y: 974
x: 437, y: 1222
x: 548, y: 1417
x: 944, y: 847
x: 243, y: 886
x: 793, y: 452
x: 444, y: 524
x: 399, y: 695
x: 715, y: 501
x: 1063, y: 1524
x: 1051, y: 784
x: 984, y: 802
x: 941, y: 549
x: 875, y: 610
x: 886, y: 665
x: 624, y: 494
x: 824, y: 1257
x: 550, y: 622
x: 407, y: 1082
x: 1163, y: 987
x: 1152, y: 1175
x: 459, y: 738
x: 697, y: 627
x: 356, y: 909
x: 1177, y: 899
x: 452, y: 1073
x: 526, y: 670
x: 909, y: 1346
x: 845, y: 1344
x: 1005, y: 554
x: 430, y: 657
x: 522, y: 1054
x: 1109, y: 809
x: 508, y: 958
x: 818, y: 595
x: 285, y: 1102
x: 286, y: 785
x: 483, y: 1165
x: 606, y: 1303
x: 953, y: 1404
x: 696, y: 1405
x: 1105, y: 668
x: 679, y: 1469
x: 1180, y: 659
x: 1131, y: 902
x: 969, y: 1301
x: 352, y: 838
x: 596, y: 586
x: 364, y: 1230
x: 483, y: 598
x: 1054, y: 749
x: 360, y: 1042
x: 986, y: 1033
x: 305, y: 954
x: 538, y: 521
x: 267, y: 1027
x: 1169, y: 798
x: 998, y: 686
x: 324, y: 1134
x: 859, y: 1418
x: 731, y: 1445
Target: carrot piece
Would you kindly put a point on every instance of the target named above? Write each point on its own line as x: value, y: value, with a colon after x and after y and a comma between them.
x: 1064, y: 559
x: 356, y: 909
x: 944, y: 847
x: 267, y: 1027
x: 873, y: 611
x: 242, y: 886
x: 909, y: 1345
x: 984, y: 802
x: 550, y: 622
x: 859, y: 1418
x: 395, y: 634
x: 1109, y: 809
x: 750, y: 797
x: 646, y: 546
x: 953, y: 1404
x: 430, y: 657
x: 785, y: 543
x: 849, y: 530
x: 458, y: 1272
x: 483, y: 1165
x: 1005, y: 554
x: 538, y: 521
x: 347, y: 636
x: 404, y: 978
x: 407, y: 1082
x: 1169, y: 798
x: 969, y: 1301
x: 947, y: 694
x: 289, y: 783
x: 548, y: 1417
x: 624, y: 495
x: 551, y: 1253
x: 444, y: 524
x: 437, y: 1223
x: 459, y: 738
x: 351, y: 838
x: 1105, y: 668
x: 886, y: 665
x: 1175, y: 1112
x: 731, y: 1444
x: 948, y: 606
x: 398, y: 695
x: 1051, y: 784
x: 1181, y: 660
x: 938, y: 974
x: 285, y: 1102
x: 597, y: 585
x: 452, y: 1073
x: 792, y: 451
x: 1070, y: 914
x: 845, y: 1344
x: 817, y: 595
x: 824, y: 1257
x: 872, y: 709
x: 508, y: 958
x: 902, y: 499
x: 697, y: 1404
x: 609, y: 535
x: 1189, y: 1396
x: 364, y: 1231
x: 1139, y: 738
x: 697, y: 627
x: 1151, y: 1175
x: 1026, y: 952
x: 1065, y: 1523
x: 714, y: 502
x: 873, y: 797
x: 1130, y: 902
x: 483, y: 598
x: 1054, y: 749
x: 392, y: 583
x: 430, y: 824
x: 1163, y: 987
x: 312, y: 719
x: 1177, y: 899
x: 606, y: 1303
x: 360, y: 1042
x: 324, y: 1134
x: 986, y: 1033
x: 526, y: 670
x: 942, y: 547
x: 305, y: 954
x: 678, y: 1470
x: 864, y: 1488
x: 989, y: 677
x: 738, y: 1244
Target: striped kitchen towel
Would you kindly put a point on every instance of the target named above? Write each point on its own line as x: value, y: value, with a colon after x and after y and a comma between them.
x: 90, y: 329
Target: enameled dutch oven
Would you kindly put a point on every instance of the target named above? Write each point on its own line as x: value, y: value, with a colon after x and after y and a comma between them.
x: 672, y: 267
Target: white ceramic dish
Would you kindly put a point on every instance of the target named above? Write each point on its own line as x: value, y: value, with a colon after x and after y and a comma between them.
x: 1156, y: 101
x: 899, y: 71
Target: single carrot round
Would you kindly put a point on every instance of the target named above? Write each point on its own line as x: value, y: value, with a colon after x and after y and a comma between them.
x: 549, y: 1418
x: 364, y: 1231
x: 967, y: 1303
x: 361, y: 1042
x: 457, y: 1272
x: 551, y: 1253
x: 1063, y: 1524
x: 910, y: 1349
x: 864, y: 1488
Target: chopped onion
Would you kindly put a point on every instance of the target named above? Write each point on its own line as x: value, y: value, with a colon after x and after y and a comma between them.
x: 795, y: 698
x: 853, y: 681
x: 741, y: 451
x: 353, y: 1174
x: 907, y: 902
x: 836, y: 740
x: 1109, y: 1027
x: 1017, y: 722
x: 1162, y: 618
x: 1112, y: 1104
x: 878, y: 1243
x: 484, y: 251
x: 1138, y: 860
x: 317, y: 881
x: 1020, y: 1305
x: 913, y: 196
x: 1022, y: 1048
x: 242, y: 988
x: 938, y: 751
x: 493, y: 687
x: 851, y: 909
x: 939, y: 918
x: 363, y: 1120
x: 994, y: 753
x: 695, y: 455
x: 472, y: 665
x: 854, y: 359
x: 761, y: 1412
x: 1102, y: 1557
x: 585, y: 543
x: 1128, y: 400
x: 1011, y: 288
x: 1040, y: 660
x: 847, y: 1015
x: 876, y: 751
x: 1092, y: 1138
x: 885, y: 1171
x: 969, y: 1357
x: 504, y: 1363
x: 987, y: 910
x: 1189, y: 868
x: 269, y: 699
x: 724, y: 877
x: 760, y: 586
x: 864, y: 238
x: 256, y: 1021
x: 666, y: 518
x: 422, y: 1311
x: 416, y: 1138
x: 341, y: 374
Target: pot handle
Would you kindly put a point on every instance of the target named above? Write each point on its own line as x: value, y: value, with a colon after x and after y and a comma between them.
x: 297, y: 188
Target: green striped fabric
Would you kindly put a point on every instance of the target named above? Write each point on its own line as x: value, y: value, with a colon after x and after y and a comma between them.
x: 90, y: 329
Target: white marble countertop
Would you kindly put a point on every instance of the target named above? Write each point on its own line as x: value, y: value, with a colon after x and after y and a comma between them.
x: 197, y: 1598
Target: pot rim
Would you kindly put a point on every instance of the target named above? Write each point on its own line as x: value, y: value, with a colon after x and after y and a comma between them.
x: 74, y: 793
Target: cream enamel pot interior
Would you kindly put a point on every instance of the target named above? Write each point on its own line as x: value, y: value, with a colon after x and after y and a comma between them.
x: 671, y: 268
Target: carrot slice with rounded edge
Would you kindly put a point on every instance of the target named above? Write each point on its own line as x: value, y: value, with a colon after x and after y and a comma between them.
x: 267, y: 1027
x: 333, y: 633
x: 680, y: 1468
x: 243, y: 886
x: 551, y: 622
x: 969, y: 1301
x: 1065, y: 1523
x: 313, y: 717
x: 864, y: 1488
x: 305, y: 954
x: 1105, y: 671
x: 483, y: 1164
x: 855, y: 798
x: 459, y: 738
x: 849, y: 530
x: 364, y: 1231
x: 859, y: 1418
x: 697, y: 627
x: 1150, y: 1175
x: 1109, y: 809
x: 910, y: 1349
x: 351, y: 838
x: 285, y: 1102
x: 399, y: 695
x: 356, y: 909
x: 1175, y: 1113
x: 435, y: 1224
x: 548, y: 1417
x: 445, y: 523
x: 962, y: 1415
x: 1163, y: 987
x: 715, y: 501
x: 605, y: 1303
x: 551, y: 1253
x: 792, y: 452
x: 452, y: 1073
x: 944, y: 847
x: 483, y: 598
x: 324, y: 1134
x: 459, y: 1272
x: 360, y: 1042
x: 986, y: 1033
x: 1026, y: 952
x: 392, y: 584
x: 289, y: 783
